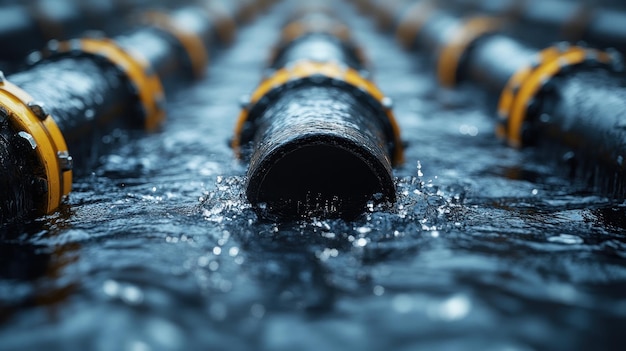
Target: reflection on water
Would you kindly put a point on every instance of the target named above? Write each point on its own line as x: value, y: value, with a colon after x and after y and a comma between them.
x: 158, y: 249
x: 32, y: 267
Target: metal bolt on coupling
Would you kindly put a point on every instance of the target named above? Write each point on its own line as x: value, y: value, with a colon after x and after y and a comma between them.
x: 29, y: 139
x: 65, y: 161
x: 38, y: 109
x: 387, y: 103
x: 245, y: 101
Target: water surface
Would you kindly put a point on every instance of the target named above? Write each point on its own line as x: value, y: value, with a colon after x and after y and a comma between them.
x: 158, y: 249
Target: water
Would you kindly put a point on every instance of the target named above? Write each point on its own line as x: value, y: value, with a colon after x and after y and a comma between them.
x: 157, y: 249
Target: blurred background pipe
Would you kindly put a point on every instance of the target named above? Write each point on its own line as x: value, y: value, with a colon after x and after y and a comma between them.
x: 539, y: 22
x: 567, y: 101
x: 319, y: 136
x: 28, y: 25
x: 54, y: 114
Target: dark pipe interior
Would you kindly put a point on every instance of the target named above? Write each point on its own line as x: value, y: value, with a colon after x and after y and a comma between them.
x: 328, y: 180
x: 18, y: 174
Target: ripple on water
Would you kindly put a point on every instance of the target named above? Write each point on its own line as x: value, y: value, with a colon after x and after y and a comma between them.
x: 566, y: 239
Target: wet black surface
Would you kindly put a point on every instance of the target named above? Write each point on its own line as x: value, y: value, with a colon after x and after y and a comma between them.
x: 158, y: 250
x: 320, y: 151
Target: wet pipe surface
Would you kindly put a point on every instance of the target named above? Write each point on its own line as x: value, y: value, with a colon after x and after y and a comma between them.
x: 157, y: 249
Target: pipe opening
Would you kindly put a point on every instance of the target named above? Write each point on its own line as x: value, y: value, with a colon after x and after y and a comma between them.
x: 319, y: 180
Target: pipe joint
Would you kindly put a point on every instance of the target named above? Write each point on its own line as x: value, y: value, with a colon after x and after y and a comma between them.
x: 527, y: 85
x: 412, y: 22
x: 316, y: 73
x: 315, y: 23
x: 451, y: 53
x: 192, y: 43
x: 144, y: 81
x: 30, y: 121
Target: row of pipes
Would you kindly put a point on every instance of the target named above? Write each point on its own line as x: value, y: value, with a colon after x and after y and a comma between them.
x: 55, y: 112
x: 567, y: 99
x: 320, y: 137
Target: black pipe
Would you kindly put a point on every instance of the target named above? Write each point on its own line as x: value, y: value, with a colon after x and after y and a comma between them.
x: 88, y: 99
x: 494, y: 59
x: 27, y: 27
x: 544, y: 21
x: 52, y: 116
x: 320, y: 137
x: 582, y: 120
x: 319, y: 48
x: 568, y: 101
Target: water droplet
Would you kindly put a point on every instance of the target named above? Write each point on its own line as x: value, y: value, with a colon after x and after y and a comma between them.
x: 470, y: 130
x: 111, y: 288
x: 361, y: 242
x: 327, y: 253
x: 217, y: 251
x: 455, y: 308
x: 363, y: 230
x: 203, y: 261
x: 379, y: 290
x: 132, y: 295
x: 90, y: 114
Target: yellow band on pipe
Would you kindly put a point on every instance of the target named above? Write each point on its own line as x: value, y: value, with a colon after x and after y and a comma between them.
x: 464, y: 35
x: 191, y: 42
x: 50, y: 144
x: 305, y: 69
x: 527, y: 83
x: 304, y: 26
x: 324, y: 24
x: 412, y: 22
x: 226, y: 24
x: 136, y: 68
